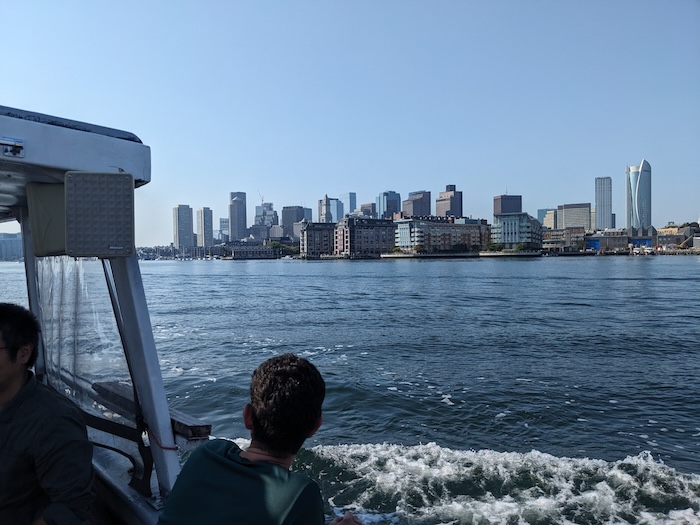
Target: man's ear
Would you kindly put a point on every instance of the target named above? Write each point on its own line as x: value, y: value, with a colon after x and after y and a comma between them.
x: 24, y: 354
x: 248, y: 416
x: 316, y: 426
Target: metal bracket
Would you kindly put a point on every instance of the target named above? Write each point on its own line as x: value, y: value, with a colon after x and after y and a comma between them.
x: 12, y: 147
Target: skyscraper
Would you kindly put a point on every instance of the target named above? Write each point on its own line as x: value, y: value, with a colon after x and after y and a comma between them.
x: 183, y: 227
x: 574, y: 216
x: 290, y: 215
x: 417, y: 204
x: 237, y: 216
x: 349, y: 201
x: 449, y: 202
x: 603, y: 203
x: 638, y: 190
x: 508, y: 204
x: 388, y: 203
x: 205, y: 227
x: 329, y: 209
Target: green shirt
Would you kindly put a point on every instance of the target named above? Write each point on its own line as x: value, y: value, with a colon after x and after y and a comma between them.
x: 217, y: 486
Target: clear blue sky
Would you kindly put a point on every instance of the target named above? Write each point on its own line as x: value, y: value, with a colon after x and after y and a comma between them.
x: 294, y: 100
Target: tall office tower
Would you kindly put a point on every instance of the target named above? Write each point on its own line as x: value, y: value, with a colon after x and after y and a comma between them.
x: 449, y: 202
x: 542, y: 213
x: 223, y: 229
x: 574, y: 216
x: 326, y: 207
x: 205, y: 227
x: 349, y: 201
x: 417, y: 204
x: 550, y: 219
x: 369, y: 210
x: 183, y: 227
x: 603, y: 203
x: 508, y: 204
x: 308, y: 214
x: 388, y: 203
x: 290, y: 215
x: 337, y: 210
x: 638, y: 189
x: 237, y: 216
x: 265, y: 218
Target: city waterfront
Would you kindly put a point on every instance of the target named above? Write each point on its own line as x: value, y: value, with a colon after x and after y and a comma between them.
x: 545, y: 390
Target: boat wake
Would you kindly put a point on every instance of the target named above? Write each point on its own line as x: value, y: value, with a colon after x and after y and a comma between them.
x: 430, y: 485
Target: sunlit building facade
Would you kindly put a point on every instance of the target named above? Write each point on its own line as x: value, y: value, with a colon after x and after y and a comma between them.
x: 603, y: 203
x: 638, y: 190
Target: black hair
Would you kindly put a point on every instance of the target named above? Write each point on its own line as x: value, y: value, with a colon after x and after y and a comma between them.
x: 286, y: 394
x: 19, y: 327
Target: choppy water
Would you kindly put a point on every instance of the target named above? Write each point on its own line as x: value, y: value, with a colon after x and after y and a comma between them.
x: 537, y: 391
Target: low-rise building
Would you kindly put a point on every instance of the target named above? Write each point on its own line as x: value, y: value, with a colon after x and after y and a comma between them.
x: 316, y: 239
x: 360, y: 238
x: 564, y: 239
x: 516, y: 230
x: 441, y: 234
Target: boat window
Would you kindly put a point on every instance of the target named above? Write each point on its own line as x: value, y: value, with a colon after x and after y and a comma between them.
x: 81, y: 339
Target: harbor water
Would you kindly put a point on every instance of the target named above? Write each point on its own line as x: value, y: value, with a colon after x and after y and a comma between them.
x: 543, y: 390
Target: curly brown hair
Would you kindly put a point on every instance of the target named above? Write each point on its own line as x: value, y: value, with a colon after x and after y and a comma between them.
x: 286, y: 395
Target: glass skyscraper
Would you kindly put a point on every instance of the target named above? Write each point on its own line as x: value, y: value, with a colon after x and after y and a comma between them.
x: 237, y: 216
x: 638, y: 190
x: 603, y: 203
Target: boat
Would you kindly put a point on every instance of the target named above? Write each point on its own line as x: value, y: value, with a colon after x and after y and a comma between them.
x: 71, y: 185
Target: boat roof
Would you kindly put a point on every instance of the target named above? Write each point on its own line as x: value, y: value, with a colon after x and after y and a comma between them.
x: 35, y: 147
x: 67, y: 123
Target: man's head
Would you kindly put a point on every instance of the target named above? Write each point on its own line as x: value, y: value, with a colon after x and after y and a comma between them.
x: 286, y: 394
x: 18, y: 328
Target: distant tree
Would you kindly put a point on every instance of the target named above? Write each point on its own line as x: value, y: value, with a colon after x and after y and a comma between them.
x: 419, y: 248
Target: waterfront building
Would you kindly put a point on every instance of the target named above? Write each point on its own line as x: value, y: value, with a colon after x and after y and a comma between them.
x: 291, y: 215
x: 359, y: 238
x: 369, y: 210
x: 417, y: 205
x: 516, y: 230
x: 449, y: 202
x: 638, y: 193
x: 603, y: 203
x: 316, y: 239
x: 564, y: 239
x: 349, y: 202
x: 223, y: 230
x: 237, y: 216
x: 441, y: 234
x: 252, y: 251
x: 608, y: 241
x: 183, y: 227
x: 574, y: 215
x: 10, y: 246
x: 508, y: 204
x: 205, y: 227
x: 388, y: 203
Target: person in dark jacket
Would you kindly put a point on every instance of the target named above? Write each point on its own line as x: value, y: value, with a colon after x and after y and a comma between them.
x: 45, y: 455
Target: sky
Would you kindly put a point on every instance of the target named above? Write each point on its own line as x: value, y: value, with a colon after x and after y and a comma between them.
x: 291, y: 101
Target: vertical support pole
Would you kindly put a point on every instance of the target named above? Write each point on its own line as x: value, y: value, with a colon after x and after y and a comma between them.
x: 145, y: 368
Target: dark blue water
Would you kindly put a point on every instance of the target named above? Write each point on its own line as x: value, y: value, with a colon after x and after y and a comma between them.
x: 569, y: 383
x: 553, y: 390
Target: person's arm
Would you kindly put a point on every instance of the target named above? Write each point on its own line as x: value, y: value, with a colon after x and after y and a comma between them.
x: 64, y: 469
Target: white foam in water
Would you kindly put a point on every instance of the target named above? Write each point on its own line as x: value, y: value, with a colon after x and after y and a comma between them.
x: 431, y: 485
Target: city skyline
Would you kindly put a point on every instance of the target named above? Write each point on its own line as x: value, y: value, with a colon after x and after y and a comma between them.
x: 294, y: 101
